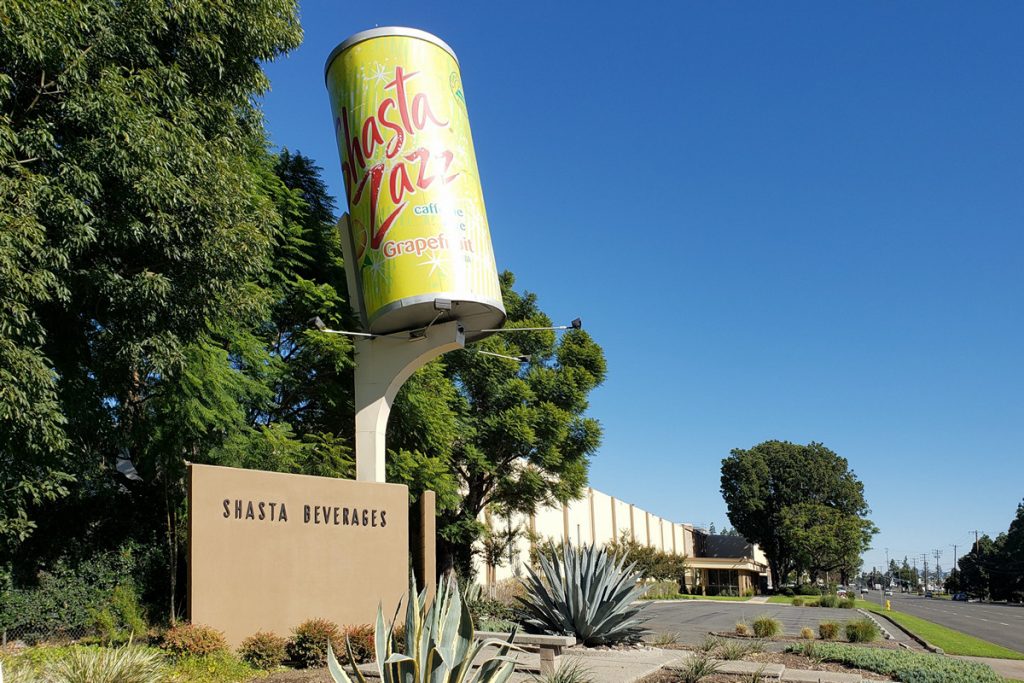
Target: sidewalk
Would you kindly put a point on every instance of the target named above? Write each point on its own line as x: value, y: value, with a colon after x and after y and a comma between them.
x: 629, y: 666
x: 1007, y: 668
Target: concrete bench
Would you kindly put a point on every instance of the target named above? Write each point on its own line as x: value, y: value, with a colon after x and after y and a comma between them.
x: 549, y: 647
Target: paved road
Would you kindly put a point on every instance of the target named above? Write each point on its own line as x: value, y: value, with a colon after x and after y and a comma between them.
x: 1001, y: 624
x: 693, y: 619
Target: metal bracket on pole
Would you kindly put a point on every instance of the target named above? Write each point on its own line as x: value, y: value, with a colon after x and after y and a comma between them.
x: 383, y: 364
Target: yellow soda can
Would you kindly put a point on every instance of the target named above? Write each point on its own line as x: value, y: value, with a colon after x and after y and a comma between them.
x: 419, y: 238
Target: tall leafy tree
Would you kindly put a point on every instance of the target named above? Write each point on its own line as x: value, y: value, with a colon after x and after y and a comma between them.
x: 506, y: 434
x: 763, y: 485
x: 994, y: 568
x: 134, y: 227
x: 824, y: 539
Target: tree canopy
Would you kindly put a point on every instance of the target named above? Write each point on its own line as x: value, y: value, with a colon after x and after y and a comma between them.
x: 132, y: 223
x: 502, y: 434
x: 801, y: 503
x: 994, y: 567
x: 158, y: 267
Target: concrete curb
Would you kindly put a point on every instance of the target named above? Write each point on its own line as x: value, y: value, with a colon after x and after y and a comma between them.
x: 921, y: 641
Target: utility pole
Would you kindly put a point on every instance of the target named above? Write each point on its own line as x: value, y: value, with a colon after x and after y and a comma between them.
x: 889, y: 582
x: 924, y: 558
x: 975, y: 541
x: 956, y: 584
x: 937, y: 553
x: 915, y: 577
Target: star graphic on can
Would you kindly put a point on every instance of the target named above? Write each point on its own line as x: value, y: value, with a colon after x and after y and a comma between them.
x: 434, y: 261
x: 380, y: 74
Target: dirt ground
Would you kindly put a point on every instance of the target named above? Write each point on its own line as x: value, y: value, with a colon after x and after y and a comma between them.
x: 298, y: 676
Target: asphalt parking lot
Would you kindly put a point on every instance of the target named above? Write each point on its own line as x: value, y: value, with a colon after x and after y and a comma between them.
x: 693, y: 619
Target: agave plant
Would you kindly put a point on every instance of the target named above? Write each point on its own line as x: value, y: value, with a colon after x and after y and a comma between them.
x: 439, y: 645
x: 585, y: 592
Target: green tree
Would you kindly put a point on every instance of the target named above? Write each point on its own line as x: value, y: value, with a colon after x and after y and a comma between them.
x: 508, y: 434
x: 135, y: 226
x: 994, y: 568
x: 977, y: 565
x: 824, y: 539
x: 760, y: 484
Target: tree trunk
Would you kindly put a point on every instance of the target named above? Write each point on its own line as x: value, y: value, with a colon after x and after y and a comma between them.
x: 776, y: 572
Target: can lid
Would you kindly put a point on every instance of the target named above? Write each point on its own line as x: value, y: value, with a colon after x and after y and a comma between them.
x: 385, y: 31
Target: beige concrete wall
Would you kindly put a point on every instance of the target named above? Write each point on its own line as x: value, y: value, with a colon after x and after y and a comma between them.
x: 605, y: 531
x: 596, y: 517
x: 268, y: 551
x: 622, y: 523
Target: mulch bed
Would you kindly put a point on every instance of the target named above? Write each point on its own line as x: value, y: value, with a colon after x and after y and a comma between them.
x: 298, y: 676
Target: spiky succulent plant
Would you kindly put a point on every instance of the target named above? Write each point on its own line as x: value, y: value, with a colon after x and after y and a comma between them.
x: 439, y: 645
x: 586, y: 592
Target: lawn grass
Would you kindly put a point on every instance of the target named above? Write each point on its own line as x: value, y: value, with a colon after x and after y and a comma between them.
x: 781, y: 599
x: 730, y: 598
x: 951, y: 641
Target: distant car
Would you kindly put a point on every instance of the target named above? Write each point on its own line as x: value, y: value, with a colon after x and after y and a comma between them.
x: 927, y: 594
x: 888, y: 593
x: 865, y: 591
x: 960, y: 597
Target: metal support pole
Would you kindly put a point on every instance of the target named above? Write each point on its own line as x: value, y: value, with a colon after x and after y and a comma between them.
x: 383, y: 364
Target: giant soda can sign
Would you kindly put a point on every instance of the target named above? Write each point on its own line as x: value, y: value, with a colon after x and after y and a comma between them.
x: 417, y: 226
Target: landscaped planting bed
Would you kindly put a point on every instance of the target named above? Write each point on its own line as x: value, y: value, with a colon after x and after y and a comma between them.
x: 909, y: 667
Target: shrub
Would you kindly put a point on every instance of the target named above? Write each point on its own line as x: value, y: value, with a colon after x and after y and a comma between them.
x: 848, y: 603
x: 308, y: 645
x: 733, y: 649
x: 828, y: 630
x: 748, y: 593
x: 66, y: 600
x: 807, y: 633
x: 862, y: 631
x: 360, y: 639
x: 607, y: 614
x: 128, y: 664
x: 697, y: 669
x: 662, y: 590
x: 483, y: 608
x: 798, y: 602
x: 709, y: 644
x: 569, y: 671
x: 812, y: 603
x: 902, y: 665
x: 742, y: 629
x: 787, y: 591
x: 766, y: 627
x: 263, y: 650
x: 123, y: 619
x: 194, y: 639
x: 507, y: 590
x: 828, y: 601
x: 665, y: 639
x: 808, y: 589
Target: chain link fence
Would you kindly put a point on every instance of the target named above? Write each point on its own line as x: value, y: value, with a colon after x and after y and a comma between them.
x: 29, y: 617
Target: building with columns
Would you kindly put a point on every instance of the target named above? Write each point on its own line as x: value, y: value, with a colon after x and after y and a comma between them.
x: 716, y: 563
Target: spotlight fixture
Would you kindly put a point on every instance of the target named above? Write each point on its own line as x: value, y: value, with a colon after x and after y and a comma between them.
x: 576, y: 324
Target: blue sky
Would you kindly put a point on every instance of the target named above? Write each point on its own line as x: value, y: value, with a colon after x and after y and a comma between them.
x: 798, y: 220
